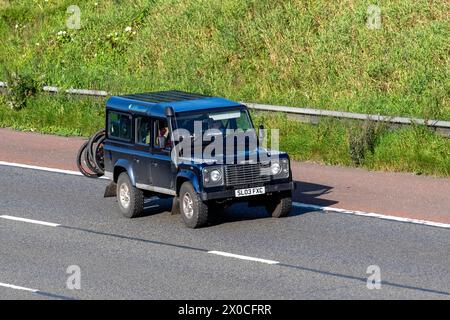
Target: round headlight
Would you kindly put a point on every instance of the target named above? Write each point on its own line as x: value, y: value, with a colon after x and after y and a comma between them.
x: 215, y: 175
x: 275, y: 168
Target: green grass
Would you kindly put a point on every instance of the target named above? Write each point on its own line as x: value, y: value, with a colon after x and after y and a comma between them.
x: 60, y: 114
x: 316, y: 54
x: 298, y: 53
x: 412, y: 149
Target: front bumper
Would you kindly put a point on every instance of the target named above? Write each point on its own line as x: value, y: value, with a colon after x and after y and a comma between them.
x: 229, y: 194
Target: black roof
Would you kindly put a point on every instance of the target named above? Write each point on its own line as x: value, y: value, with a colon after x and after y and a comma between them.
x: 154, y: 103
x: 165, y: 96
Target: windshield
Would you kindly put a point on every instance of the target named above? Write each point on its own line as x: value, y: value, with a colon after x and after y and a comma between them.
x: 233, y: 119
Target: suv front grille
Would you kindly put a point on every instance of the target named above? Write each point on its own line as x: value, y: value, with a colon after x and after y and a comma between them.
x: 241, y: 174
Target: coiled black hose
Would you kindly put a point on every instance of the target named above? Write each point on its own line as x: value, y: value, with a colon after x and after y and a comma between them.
x: 90, y: 158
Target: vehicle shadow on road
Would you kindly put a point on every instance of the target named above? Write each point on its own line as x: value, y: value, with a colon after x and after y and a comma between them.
x: 156, y: 205
x: 305, y: 192
x: 311, y: 193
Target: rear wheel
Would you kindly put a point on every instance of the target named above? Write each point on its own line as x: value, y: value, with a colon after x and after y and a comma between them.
x: 280, y: 206
x: 130, y: 199
x: 193, y: 210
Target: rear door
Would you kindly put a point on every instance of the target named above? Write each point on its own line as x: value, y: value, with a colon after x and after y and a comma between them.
x: 163, y: 170
x: 142, y: 157
x: 119, y: 139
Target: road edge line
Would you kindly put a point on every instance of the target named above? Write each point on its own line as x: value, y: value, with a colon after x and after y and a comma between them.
x: 373, y: 215
x: 39, y: 222
x: 40, y: 168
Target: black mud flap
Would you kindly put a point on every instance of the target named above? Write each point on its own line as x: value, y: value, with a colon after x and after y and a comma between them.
x: 175, y: 206
x: 111, y: 190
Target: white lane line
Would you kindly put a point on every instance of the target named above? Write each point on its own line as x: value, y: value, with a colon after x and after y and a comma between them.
x: 27, y: 166
x: 237, y: 256
x: 301, y: 205
x: 43, y: 223
x: 373, y: 215
x: 11, y: 286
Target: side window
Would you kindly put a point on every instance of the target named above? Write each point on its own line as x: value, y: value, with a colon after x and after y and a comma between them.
x: 119, y: 125
x: 143, y: 130
x: 161, y: 135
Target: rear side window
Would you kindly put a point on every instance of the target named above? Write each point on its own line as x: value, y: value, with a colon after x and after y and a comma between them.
x: 143, y: 130
x: 119, y: 126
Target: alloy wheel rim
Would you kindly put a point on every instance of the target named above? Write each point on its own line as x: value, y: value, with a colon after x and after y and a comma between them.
x: 188, y: 206
x: 124, y: 195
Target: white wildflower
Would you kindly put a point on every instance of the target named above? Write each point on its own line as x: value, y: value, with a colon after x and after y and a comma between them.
x: 127, y: 29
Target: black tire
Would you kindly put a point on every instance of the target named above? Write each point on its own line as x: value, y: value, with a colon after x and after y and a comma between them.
x: 281, y: 206
x: 135, y: 206
x: 95, y: 155
x: 216, y: 209
x: 82, y: 164
x: 199, y: 215
x: 216, y: 212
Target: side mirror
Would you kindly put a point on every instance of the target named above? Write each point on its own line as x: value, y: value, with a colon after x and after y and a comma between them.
x: 261, y: 133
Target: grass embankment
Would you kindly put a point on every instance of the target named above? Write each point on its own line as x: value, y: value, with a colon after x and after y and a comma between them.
x: 318, y: 54
x: 412, y: 149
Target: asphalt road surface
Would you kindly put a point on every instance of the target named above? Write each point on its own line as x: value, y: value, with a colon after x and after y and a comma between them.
x: 401, y: 195
x: 308, y: 255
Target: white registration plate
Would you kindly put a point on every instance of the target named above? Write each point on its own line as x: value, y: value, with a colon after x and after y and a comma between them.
x: 250, y: 191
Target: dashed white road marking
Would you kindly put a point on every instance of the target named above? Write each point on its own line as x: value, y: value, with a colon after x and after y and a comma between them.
x: 298, y: 204
x: 11, y: 286
x: 238, y: 256
x: 43, y: 223
x: 373, y: 215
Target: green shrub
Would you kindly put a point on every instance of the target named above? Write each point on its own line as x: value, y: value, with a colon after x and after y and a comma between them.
x: 20, y: 88
x: 362, y: 140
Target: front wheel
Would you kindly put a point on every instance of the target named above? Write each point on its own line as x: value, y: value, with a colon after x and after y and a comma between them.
x: 193, y: 210
x: 281, y: 206
x: 130, y: 198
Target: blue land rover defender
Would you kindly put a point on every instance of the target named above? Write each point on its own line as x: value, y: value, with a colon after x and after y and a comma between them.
x: 142, y: 157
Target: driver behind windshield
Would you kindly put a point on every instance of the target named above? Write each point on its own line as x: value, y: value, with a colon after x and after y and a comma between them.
x: 218, y: 125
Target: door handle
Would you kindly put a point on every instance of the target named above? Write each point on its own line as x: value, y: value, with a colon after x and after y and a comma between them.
x: 155, y: 164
